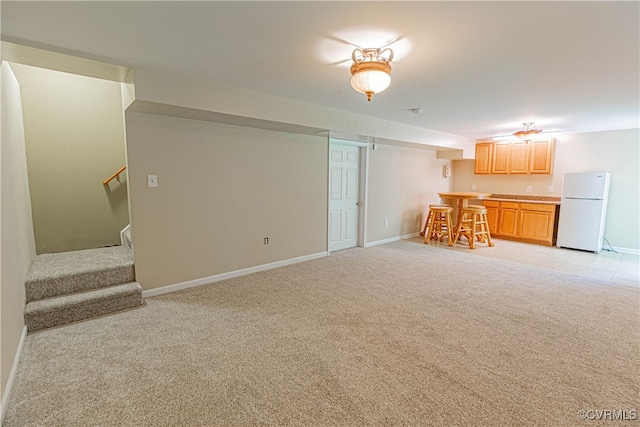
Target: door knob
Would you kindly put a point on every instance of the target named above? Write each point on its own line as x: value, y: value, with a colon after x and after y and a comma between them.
x: 358, y: 204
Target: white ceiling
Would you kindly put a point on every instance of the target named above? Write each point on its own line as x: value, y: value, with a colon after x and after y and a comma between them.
x: 475, y: 69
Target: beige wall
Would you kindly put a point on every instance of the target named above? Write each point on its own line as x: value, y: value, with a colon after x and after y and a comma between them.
x: 75, y: 139
x: 402, y: 183
x: 17, y: 246
x: 617, y: 152
x: 221, y: 190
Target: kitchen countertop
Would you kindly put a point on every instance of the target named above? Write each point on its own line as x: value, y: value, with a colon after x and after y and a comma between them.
x: 520, y: 198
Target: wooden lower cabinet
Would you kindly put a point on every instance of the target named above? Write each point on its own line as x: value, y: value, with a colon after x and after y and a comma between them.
x: 535, y: 222
x: 526, y: 222
x: 492, y: 214
x: 508, y: 219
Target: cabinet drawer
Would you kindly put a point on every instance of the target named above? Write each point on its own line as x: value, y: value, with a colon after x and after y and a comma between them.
x: 491, y: 203
x: 537, y: 207
x: 509, y: 205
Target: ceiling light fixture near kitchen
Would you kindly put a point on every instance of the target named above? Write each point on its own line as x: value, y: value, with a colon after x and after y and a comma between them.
x: 545, y: 135
x: 370, y: 71
x: 527, y: 132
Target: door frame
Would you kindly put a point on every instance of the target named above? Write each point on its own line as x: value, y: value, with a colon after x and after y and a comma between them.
x: 363, y: 186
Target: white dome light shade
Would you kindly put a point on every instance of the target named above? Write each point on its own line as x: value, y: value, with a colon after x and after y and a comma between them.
x: 370, y: 71
x: 370, y: 82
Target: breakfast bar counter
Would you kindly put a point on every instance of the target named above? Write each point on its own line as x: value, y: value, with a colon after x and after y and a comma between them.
x: 463, y: 198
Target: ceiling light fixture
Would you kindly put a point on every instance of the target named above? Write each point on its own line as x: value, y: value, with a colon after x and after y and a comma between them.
x: 370, y: 71
x: 527, y: 132
x: 550, y: 134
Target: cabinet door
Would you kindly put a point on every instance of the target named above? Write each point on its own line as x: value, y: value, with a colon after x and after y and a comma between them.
x: 484, y: 151
x: 493, y: 207
x: 541, y: 156
x: 536, y: 225
x: 508, y: 219
x: 500, y: 163
x: 519, y: 157
x: 492, y: 219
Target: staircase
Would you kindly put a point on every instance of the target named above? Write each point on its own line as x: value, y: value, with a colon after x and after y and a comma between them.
x: 71, y: 286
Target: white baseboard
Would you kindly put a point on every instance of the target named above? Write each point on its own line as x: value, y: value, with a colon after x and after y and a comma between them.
x: 623, y: 250
x: 124, y: 239
x: 206, y: 280
x: 391, y: 239
x: 12, y: 375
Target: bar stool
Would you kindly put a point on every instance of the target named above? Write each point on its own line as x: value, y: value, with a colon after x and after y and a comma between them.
x: 426, y: 222
x: 439, y: 224
x: 474, y: 225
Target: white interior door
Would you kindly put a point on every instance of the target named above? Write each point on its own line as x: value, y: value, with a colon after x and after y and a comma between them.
x: 343, y: 196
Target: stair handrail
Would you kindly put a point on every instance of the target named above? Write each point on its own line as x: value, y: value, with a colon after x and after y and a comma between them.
x: 115, y: 175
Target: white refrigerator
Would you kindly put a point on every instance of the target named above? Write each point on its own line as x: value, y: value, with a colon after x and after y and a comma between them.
x: 582, y: 210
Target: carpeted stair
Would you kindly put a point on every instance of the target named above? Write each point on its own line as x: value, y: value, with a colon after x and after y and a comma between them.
x: 71, y: 286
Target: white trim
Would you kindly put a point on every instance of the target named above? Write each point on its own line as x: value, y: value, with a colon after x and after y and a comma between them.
x: 216, y: 278
x: 364, y: 195
x: 348, y: 142
x: 12, y: 375
x: 123, y: 238
x: 363, y: 187
x: 409, y: 236
x: 392, y: 239
x: 328, y: 193
x: 622, y: 250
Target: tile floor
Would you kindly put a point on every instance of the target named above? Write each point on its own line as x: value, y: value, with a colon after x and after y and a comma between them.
x: 616, y: 268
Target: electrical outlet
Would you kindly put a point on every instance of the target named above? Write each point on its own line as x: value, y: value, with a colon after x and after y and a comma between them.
x: 528, y: 189
x: 266, y: 240
x: 386, y: 222
x: 152, y: 181
x: 551, y: 189
x: 473, y: 186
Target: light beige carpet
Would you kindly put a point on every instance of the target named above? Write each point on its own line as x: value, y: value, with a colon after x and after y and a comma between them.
x: 400, y: 334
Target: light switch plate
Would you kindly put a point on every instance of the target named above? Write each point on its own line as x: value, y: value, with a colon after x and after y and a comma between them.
x: 528, y: 189
x: 152, y: 181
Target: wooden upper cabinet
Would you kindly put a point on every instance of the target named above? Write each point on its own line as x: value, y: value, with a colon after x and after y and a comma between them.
x: 484, y: 154
x: 519, y: 157
x: 541, y: 154
x: 500, y: 163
